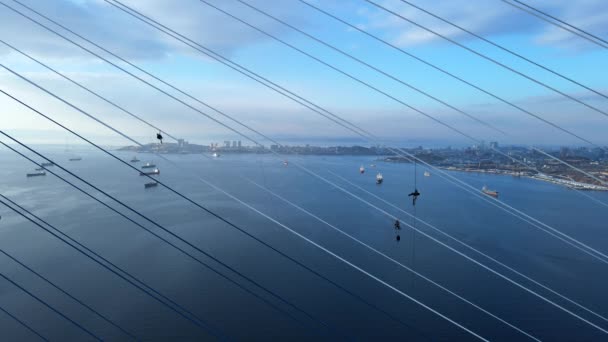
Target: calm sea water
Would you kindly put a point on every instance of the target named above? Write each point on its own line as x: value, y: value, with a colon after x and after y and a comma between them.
x: 243, y: 317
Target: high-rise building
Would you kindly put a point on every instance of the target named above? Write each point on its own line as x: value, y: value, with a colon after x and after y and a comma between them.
x: 239, y: 144
x: 494, y: 144
x: 234, y: 144
x: 227, y: 143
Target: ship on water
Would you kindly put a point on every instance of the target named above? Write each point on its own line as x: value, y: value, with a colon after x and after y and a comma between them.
x: 39, y: 169
x: 76, y: 159
x: 47, y: 164
x: 134, y: 160
x: 36, y: 174
x: 148, y: 166
x: 361, y: 170
x: 150, y: 173
x: 379, y: 178
x: 489, y: 192
x: 150, y: 185
x: 215, y: 155
x: 427, y: 174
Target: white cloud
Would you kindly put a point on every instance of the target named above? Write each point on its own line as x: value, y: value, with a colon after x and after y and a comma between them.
x: 588, y: 15
x: 130, y: 38
x: 486, y: 18
x: 258, y: 107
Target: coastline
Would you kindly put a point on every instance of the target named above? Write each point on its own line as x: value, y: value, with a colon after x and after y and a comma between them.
x: 541, y: 177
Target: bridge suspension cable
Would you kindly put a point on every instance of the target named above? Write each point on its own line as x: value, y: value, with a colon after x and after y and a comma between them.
x: 546, y: 17
x: 327, y: 251
x: 24, y: 324
x: 357, y: 130
x: 116, y: 270
x: 485, y: 57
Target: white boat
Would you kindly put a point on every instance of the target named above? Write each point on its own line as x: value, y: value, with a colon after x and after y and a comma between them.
x: 36, y: 174
x: 148, y: 166
x: 379, y: 178
x: 427, y: 174
x: 286, y: 163
x: 361, y: 170
x: 150, y: 173
x: 215, y: 155
x: 372, y: 165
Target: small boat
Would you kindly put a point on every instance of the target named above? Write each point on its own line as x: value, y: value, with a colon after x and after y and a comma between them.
x: 150, y: 185
x: 427, y: 174
x: 76, y: 159
x: 215, y: 155
x: 36, y: 174
x: 134, y: 160
x: 372, y: 165
x: 286, y: 163
x: 489, y: 192
x: 39, y: 169
x: 47, y: 164
x: 362, y: 170
x: 150, y: 173
x: 379, y: 178
x: 148, y: 166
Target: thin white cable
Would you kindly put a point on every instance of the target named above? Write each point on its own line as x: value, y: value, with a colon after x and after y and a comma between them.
x: 474, y: 190
x: 310, y: 241
x: 384, y: 73
x: 195, y: 174
x: 464, y: 183
x: 359, y: 133
x: 398, y: 291
x: 387, y: 257
x: 433, y: 227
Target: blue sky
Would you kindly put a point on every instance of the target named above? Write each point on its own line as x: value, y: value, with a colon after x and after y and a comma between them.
x: 283, y: 119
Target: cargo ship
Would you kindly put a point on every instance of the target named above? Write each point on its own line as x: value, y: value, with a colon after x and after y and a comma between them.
x: 379, y: 178
x: 47, y: 164
x: 150, y: 173
x: 150, y: 185
x: 36, y: 174
x: 148, y: 166
x: 489, y: 192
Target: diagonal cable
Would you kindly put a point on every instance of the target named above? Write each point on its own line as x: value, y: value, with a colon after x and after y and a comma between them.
x: 494, y: 61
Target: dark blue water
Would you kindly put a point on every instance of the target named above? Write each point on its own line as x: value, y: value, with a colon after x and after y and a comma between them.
x: 243, y: 317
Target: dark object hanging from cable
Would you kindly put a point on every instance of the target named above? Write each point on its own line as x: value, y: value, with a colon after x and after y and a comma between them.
x: 159, y: 137
x: 415, y: 194
x: 397, y: 225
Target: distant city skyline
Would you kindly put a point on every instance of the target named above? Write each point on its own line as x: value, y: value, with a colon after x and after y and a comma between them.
x: 286, y: 121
